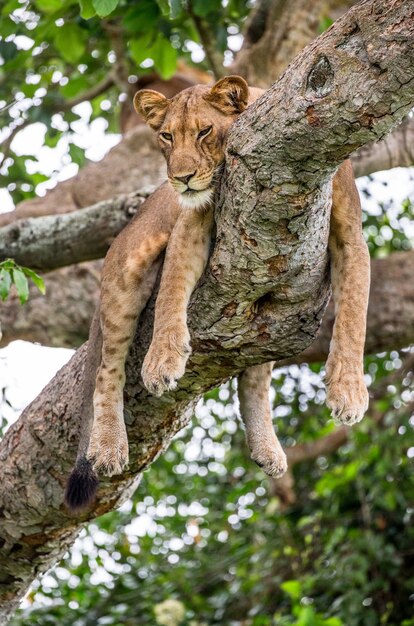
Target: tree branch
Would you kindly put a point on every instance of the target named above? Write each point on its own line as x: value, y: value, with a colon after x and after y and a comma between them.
x: 278, y: 31
x: 89, y: 94
x: 62, y: 317
x: 348, y: 88
x: 136, y: 162
x: 214, y: 58
x: 395, y: 150
x: 49, y: 242
x: 6, y: 143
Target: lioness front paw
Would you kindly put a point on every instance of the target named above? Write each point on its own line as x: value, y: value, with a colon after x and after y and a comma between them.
x: 272, y: 461
x: 346, y: 393
x: 108, y: 450
x: 165, y: 362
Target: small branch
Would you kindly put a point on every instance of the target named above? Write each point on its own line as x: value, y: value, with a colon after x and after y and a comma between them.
x: 53, y: 241
x: 395, y: 150
x: 214, y: 58
x: 257, y: 22
x: 67, y: 105
x: 120, y: 70
x: 5, y: 145
x: 89, y: 94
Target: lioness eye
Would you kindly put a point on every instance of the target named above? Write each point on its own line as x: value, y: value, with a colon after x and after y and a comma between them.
x: 204, y: 132
x: 167, y: 136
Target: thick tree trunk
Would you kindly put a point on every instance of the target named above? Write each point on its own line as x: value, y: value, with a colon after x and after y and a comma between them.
x: 73, y: 292
x: 265, y: 289
x: 277, y: 31
x: 136, y: 163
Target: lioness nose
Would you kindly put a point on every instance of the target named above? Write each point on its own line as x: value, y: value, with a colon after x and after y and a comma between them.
x: 184, y: 179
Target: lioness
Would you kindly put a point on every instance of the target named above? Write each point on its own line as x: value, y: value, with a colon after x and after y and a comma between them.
x: 192, y: 128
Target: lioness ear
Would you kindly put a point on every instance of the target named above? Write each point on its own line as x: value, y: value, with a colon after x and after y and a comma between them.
x: 229, y: 95
x: 152, y: 106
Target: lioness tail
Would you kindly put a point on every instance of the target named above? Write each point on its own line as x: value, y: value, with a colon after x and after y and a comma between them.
x: 82, y: 485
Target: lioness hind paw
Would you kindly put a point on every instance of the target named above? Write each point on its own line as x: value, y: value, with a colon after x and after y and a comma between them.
x: 273, y: 463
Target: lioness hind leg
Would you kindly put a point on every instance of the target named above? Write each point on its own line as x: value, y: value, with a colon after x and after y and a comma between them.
x: 347, y: 393
x: 122, y: 301
x: 255, y: 411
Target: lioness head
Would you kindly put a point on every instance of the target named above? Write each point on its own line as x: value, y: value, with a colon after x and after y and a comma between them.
x: 192, y: 129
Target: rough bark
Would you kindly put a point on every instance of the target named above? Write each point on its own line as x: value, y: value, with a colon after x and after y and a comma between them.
x: 47, y: 242
x: 136, y: 163
x: 395, y: 150
x: 277, y: 31
x: 390, y: 312
x: 63, y: 319
x: 263, y: 293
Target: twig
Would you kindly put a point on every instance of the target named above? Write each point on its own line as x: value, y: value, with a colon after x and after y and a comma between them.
x: 5, y: 145
x: 89, y: 94
x: 214, y: 58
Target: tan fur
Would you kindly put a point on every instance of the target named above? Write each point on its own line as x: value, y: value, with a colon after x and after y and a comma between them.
x: 192, y: 129
x: 128, y: 278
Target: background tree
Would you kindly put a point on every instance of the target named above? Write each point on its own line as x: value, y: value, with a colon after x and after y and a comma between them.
x: 338, y: 551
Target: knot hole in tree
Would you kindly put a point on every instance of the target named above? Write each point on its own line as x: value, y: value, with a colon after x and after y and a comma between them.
x: 320, y: 78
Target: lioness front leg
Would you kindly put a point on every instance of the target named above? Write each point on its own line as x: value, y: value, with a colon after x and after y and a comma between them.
x: 125, y: 291
x: 265, y: 448
x: 347, y: 393
x: 185, y: 260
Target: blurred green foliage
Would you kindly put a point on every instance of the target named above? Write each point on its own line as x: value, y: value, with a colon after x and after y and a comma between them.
x: 206, y: 529
x: 54, y: 52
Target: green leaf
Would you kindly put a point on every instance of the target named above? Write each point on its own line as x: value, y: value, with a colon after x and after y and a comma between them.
x: 8, y: 50
x: 293, y: 588
x: 307, y: 617
x: 142, y: 18
x: 10, y: 6
x: 5, y: 283
x: 74, y: 86
x: 37, y: 280
x: 22, y: 285
x: 141, y: 49
x: 77, y: 154
x: 49, y: 6
x: 204, y: 7
x: 70, y: 40
x: 105, y: 7
x: 87, y: 9
x: 164, y: 7
x: 325, y: 23
x: 165, y: 57
x: 52, y: 138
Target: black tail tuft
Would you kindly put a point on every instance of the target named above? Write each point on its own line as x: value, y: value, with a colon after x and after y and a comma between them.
x: 82, y: 486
